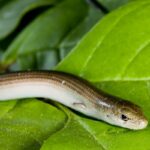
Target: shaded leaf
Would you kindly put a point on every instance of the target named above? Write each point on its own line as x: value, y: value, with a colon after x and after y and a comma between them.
x: 76, y: 34
x: 113, y: 4
x: 13, y: 10
x: 40, y: 60
x: 47, y: 31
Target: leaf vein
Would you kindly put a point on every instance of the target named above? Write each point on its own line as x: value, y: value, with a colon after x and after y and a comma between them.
x: 90, y: 132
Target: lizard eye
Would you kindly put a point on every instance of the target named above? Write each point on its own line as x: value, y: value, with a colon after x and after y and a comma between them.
x: 124, y: 117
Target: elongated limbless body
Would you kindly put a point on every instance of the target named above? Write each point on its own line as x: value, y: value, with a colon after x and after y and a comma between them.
x: 73, y: 92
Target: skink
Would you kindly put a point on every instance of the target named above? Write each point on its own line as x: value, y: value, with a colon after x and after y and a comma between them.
x: 73, y: 92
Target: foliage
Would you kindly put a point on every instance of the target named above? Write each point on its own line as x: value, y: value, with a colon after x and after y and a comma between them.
x: 113, y: 54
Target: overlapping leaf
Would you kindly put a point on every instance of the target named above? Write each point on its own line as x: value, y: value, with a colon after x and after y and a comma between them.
x: 47, y: 31
x: 114, y: 56
x: 75, y: 36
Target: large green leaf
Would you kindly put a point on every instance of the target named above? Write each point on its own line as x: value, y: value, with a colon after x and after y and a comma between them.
x: 114, y: 55
x: 12, y: 11
x: 47, y: 31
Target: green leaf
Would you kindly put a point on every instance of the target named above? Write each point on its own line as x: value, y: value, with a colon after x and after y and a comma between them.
x: 114, y: 55
x: 26, y: 124
x: 47, y: 31
x: 12, y: 11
